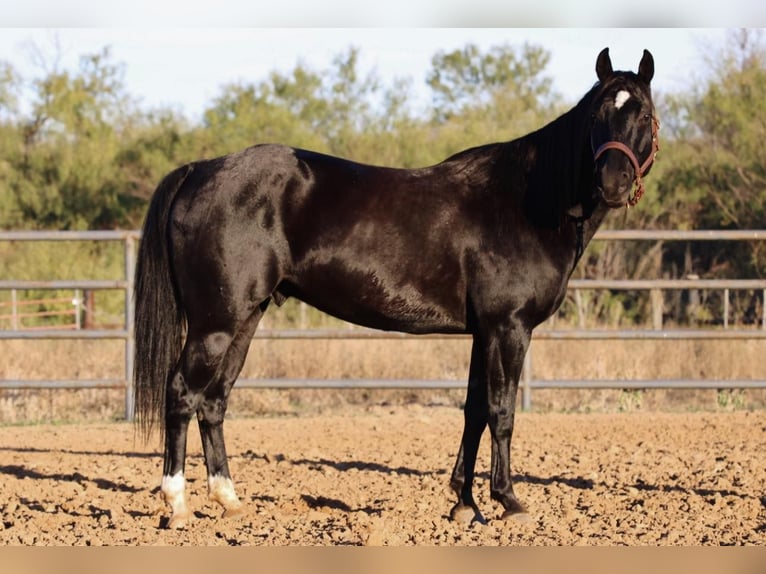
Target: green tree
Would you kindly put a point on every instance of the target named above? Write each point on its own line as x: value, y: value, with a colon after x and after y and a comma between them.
x: 152, y: 144
x: 719, y: 168
x: 469, y: 79
x: 484, y: 96
x: 60, y: 175
x: 244, y: 115
x: 9, y: 89
x: 9, y: 143
x: 323, y: 110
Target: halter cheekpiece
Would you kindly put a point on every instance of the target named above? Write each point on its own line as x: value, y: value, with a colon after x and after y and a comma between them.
x: 639, y: 170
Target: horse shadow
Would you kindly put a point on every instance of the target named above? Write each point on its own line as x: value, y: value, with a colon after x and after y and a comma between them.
x: 22, y: 472
x: 37, y: 450
x: 574, y: 482
x: 376, y: 508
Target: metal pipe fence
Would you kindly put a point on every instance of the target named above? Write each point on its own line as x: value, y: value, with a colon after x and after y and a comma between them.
x: 528, y: 382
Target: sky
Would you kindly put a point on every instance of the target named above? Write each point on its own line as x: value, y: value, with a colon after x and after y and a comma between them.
x: 180, y: 53
x: 388, y: 13
x: 185, y: 68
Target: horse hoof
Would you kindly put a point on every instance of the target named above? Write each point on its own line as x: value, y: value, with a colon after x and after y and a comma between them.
x: 178, y: 522
x: 462, y: 514
x: 522, y: 517
x: 233, y: 511
x: 466, y: 515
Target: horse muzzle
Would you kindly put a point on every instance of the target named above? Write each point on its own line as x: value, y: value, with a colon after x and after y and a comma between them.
x: 614, y: 184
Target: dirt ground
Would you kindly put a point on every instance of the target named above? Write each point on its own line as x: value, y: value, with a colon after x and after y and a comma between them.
x: 379, y: 476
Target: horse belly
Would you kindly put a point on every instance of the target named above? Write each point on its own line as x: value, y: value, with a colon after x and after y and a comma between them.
x: 378, y: 299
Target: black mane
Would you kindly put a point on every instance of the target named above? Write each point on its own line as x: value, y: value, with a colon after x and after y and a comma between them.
x: 560, y: 170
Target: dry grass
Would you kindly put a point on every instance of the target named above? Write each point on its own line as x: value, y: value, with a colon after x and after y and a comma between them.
x: 407, y: 359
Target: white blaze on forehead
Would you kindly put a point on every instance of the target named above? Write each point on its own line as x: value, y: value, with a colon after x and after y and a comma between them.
x: 620, y: 99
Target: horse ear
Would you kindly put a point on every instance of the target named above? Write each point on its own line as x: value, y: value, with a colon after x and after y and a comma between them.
x: 604, y: 65
x: 646, y: 67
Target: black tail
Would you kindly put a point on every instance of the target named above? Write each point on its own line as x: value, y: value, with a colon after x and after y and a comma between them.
x: 159, y: 318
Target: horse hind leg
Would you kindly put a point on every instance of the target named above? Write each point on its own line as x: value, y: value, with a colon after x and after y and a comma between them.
x: 179, y: 408
x: 211, y: 413
x: 210, y: 363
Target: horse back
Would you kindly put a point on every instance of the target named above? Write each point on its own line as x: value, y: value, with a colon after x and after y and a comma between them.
x: 387, y: 248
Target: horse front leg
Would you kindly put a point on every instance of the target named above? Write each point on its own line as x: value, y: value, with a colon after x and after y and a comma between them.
x: 506, y: 348
x: 475, y: 421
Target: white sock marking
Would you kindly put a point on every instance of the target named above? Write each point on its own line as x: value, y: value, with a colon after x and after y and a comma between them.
x: 173, y: 489
x: 221, y: 489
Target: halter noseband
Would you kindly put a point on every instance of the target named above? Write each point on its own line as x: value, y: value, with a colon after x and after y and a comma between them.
x: 639, y: 170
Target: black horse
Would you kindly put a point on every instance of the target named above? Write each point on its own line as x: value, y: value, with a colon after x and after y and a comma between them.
x: 482, y: 243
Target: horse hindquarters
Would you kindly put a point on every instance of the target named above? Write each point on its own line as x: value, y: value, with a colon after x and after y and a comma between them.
x: 210, y: 363
x: 225, y: 272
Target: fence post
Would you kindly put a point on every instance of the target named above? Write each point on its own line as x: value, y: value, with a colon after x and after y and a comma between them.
x: 77, y: 303
x: 15, y: 311
x: 658, y: 304
x: 130, y: 341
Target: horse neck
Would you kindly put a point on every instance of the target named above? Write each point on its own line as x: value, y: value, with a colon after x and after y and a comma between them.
x: 561, y: 177
x: 592, y: 223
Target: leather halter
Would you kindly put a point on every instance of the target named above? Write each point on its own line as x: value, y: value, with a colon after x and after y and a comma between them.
x: 639, y: 170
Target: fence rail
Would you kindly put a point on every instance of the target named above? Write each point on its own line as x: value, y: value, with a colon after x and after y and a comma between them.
x: 528, y: 383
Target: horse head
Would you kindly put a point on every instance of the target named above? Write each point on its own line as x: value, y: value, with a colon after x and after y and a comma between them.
x: 623, y: 132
